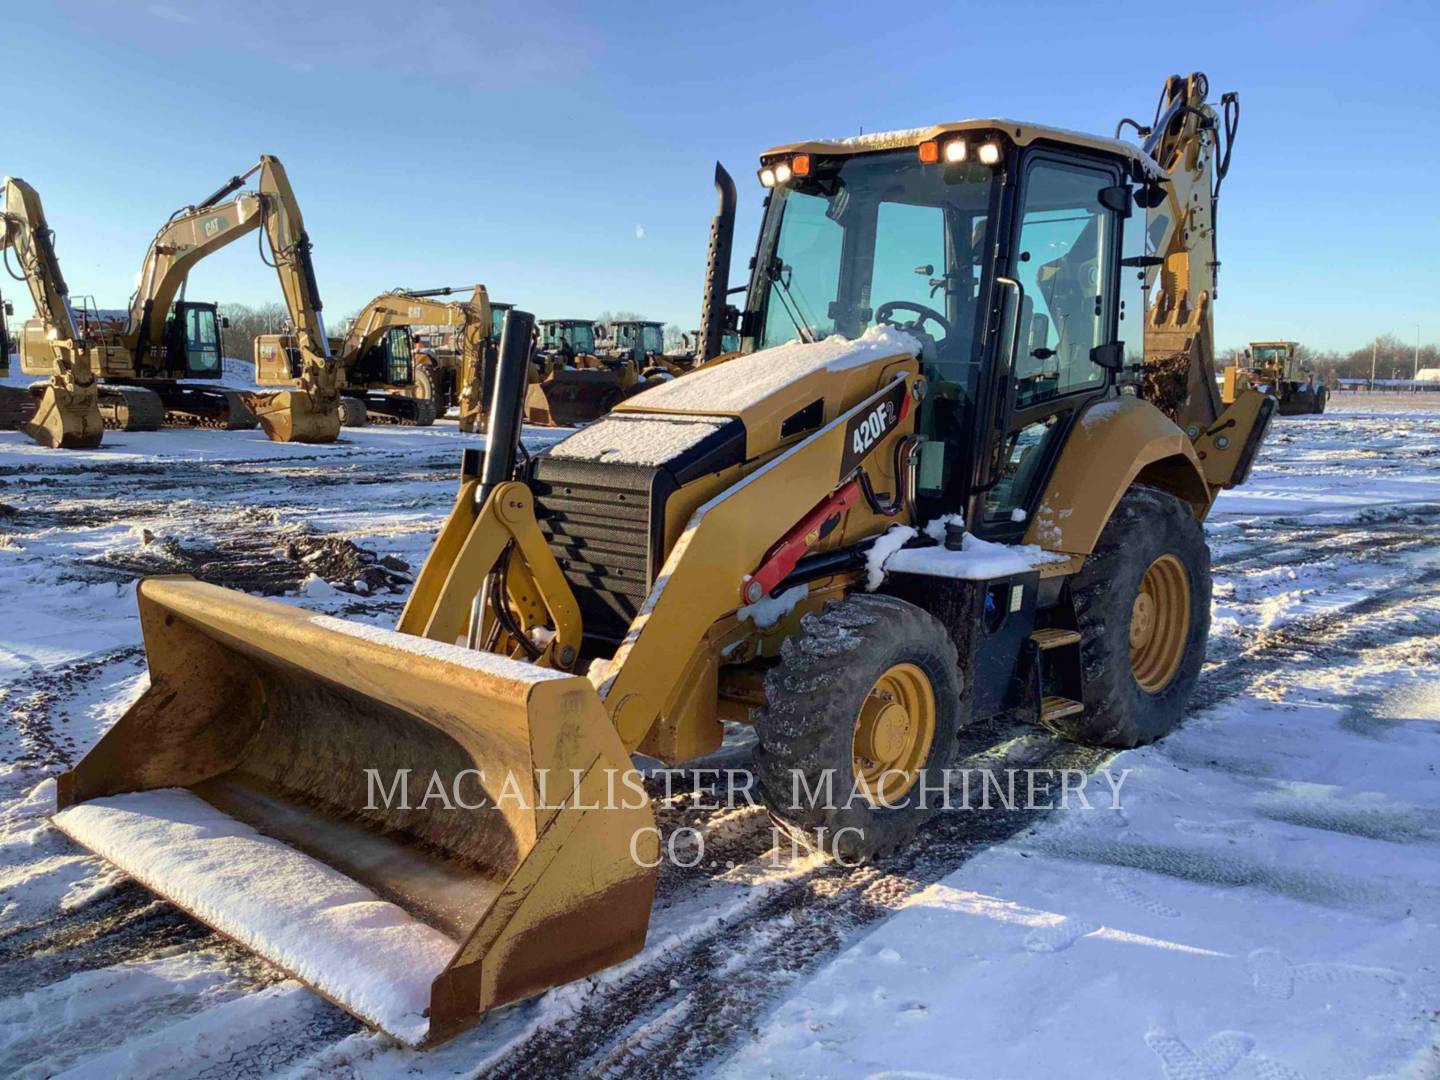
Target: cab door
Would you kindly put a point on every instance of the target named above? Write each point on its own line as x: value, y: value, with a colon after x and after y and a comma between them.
x: 1057, y: 345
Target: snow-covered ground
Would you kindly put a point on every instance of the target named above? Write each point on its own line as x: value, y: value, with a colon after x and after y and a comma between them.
x: 1263, y: 904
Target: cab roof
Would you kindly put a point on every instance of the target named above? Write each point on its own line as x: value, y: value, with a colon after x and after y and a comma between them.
x: 1018, y: 131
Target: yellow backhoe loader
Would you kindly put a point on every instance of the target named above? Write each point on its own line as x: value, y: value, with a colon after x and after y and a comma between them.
x: 378, y: 356
x: 902, y: 507
x: 1278, y: 368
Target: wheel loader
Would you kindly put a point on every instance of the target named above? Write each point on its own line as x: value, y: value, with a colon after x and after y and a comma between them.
x: 1279, y: 369
x: 897, y: 510
x: 577, y: 384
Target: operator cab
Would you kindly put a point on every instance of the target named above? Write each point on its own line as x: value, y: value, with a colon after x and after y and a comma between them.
x: 193, y: 345
x: 577, y: 336
x: 998, y: 246
x: 648, y: 337
x: 390, y: 361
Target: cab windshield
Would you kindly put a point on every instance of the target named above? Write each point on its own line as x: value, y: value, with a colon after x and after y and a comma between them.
x: 1268, y: 354
x: 879, y: 238
x: 497, y: 320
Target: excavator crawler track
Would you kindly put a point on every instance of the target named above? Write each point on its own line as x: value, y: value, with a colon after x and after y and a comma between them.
x: 17, y: 405
x: 131, y: 408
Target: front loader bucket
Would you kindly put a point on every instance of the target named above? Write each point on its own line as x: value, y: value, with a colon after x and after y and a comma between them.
x: 419, y: 831
x: 572, y: 396
x: 67, y: 419
x: 296, y: 416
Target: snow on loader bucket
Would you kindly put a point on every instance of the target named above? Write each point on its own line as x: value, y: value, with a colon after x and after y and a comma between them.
x: 418, y: 830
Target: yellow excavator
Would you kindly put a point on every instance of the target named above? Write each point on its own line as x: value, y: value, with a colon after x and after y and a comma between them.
x: 139, y: 353
x: 378, y: 356
x: 940, y: 481
x: 67, y: 412
x: 17, y: 404
x: 308, y: 410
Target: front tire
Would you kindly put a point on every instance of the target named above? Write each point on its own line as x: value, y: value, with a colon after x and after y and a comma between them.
x: 865, y: 707
x: 1142, y: 605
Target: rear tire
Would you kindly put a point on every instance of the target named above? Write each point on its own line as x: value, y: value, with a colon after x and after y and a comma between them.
x: 1321, y: 397
x: 868, y: 670
x: 1140, y: 656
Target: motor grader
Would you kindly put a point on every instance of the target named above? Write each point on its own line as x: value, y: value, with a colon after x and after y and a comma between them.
x: 1278, y: 368
x: 899, y: 509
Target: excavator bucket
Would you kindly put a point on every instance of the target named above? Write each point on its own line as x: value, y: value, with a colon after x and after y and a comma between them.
x: 67, y: 419
x: 572, y: 396
x: 417, y: 830
x: 296, y: 416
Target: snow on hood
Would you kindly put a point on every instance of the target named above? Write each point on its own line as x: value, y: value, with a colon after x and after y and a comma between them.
x: 738, y: 384
x: 621, y: 439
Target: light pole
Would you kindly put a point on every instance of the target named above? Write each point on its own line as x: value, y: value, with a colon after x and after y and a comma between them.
x: 1417, y: 352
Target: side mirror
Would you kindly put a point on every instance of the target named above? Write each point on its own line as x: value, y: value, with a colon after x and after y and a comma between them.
x: 9, y: 308
x: 1117, y: 198
x: 224, y: 322
x: 1110, y: 356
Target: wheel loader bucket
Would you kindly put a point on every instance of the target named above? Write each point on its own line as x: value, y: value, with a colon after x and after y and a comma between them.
x: 572, y: 396
x: 67, y: 419
x: 419, y: 831
x: 296, y: 416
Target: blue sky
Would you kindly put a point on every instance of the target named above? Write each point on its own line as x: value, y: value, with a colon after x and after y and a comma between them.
x: 562, y: 154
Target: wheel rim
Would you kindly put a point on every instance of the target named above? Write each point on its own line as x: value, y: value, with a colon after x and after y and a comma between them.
x: 1159, y: 623
x: 893, y: 733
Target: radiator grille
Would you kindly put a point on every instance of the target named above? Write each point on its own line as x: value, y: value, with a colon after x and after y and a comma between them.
x: 597, y: 522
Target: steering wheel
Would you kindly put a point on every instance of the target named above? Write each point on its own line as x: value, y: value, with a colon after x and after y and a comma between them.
x: 885, y: 310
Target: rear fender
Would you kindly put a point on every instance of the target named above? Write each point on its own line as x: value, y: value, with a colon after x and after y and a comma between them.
x: 1115, y: 443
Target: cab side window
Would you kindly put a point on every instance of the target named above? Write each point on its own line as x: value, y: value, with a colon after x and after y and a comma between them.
x: 1064, y: 261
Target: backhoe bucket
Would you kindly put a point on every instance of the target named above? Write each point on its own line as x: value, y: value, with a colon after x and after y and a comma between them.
x: 296, y: 416
x: 572, y: 396
x: 67, y: 419
x: 419, y: 831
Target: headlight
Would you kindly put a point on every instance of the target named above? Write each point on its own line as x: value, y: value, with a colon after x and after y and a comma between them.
x: 989, y: 153
x: 955, y: 151
x: 782, y: 173
x: 767, y: 177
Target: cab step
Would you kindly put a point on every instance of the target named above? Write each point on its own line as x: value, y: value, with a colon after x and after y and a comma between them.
x: 1053, y: 708
x: 1054, y: 638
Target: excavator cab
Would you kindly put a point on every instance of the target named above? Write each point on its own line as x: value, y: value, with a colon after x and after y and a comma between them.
x: 390, y: 361
x: 194, y: 347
